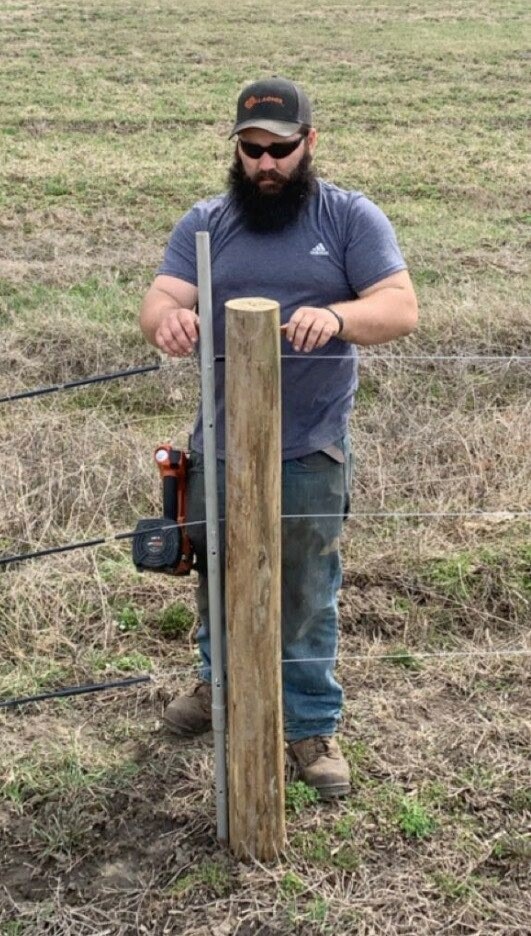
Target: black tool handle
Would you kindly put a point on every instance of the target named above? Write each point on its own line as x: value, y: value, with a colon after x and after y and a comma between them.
x: 169, y: 497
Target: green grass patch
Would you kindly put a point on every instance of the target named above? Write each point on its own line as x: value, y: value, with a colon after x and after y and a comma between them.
x: 454, y: 888
x: 291, y: 885
x: 453, y: 575
x: 210, y: 876
x: 473, y: 573
x: 299, y: 796
x: 513, y: 848
x: 31, y: 677
x: 333, y: 848
x: 132, y: 662
x: 520, y: 800
x: 175, y: 620
x: 403, y: 657
x: 61, y: 774
x: 129, y: 619
x: 414, y: 820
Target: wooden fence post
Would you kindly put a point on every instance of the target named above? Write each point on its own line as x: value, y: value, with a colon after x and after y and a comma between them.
x: 253, y: 480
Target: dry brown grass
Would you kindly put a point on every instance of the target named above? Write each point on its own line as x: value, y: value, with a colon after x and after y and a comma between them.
x: 110, y: 131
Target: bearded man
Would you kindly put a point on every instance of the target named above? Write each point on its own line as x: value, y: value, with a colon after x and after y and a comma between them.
x: 331, y: 259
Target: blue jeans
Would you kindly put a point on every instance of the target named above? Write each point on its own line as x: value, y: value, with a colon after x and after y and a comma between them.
x: 311, y: 576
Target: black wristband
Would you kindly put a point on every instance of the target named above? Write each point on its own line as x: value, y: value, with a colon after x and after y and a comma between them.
x: 338, y: 317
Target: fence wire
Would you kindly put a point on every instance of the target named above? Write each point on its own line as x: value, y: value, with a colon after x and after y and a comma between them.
x: 467, y: 359
x: 395, y: 656
x: 491, y: 515
x: 404, y: 656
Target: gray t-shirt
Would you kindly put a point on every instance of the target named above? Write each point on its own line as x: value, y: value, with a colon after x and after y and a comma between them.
x: 340, y: 244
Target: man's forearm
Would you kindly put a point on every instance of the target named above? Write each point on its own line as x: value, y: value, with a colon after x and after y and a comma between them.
x: 168, y: 318
x: 385, y: 314
x: 155, y: 307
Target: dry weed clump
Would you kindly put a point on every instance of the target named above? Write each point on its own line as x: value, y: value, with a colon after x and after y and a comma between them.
x: 72, y: 477
x: 63, y: 346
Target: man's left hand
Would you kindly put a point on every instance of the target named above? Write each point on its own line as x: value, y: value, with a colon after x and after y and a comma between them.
x: 310, y: 328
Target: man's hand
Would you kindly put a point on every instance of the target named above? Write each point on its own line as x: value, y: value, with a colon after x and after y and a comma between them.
x: 310, y: 328
x: 178, y: 332
x: 167, y: 318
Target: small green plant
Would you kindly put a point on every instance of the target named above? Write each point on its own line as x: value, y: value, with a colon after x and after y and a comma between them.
x: 414, y: 820
x: 452, y: 887
x: 346, y: 857
x: 427, y: 276
x: 356, y: 755
x: 317, y: 847
x: 291, y: 885
x: 402, y: 605
x: 210, y: 874
x: 128, y: 619
x: 62, y: 832
x: 513, y: 847
x: 31, y: 676
x: 131, y: 662
x: 478, y: 777
x: 299, y: 796
x: 12, y: 928
x: 344, y: 827
x: 403, y: 657
x: 125, y: 662
x: 56, y: 187
x: 435, y: 793
x: 322, y: 848
x: 175, y: 620
x: 216, y: 877
x: 60, y: 772
x: 453, y: 575
x: 521, y: 800
x: 525, y: 562
x: 316, y: 910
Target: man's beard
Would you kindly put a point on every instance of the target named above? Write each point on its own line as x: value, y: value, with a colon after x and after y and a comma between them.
x: 268, y: 211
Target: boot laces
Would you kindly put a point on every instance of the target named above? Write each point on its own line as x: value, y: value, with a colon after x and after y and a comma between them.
x: 312, y: 748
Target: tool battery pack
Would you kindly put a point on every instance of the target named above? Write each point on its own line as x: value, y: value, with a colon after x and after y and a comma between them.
x: 158, y: 546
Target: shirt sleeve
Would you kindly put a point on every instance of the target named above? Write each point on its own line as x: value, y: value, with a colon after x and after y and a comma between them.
x: 180, y: 254
x: 372, y: 250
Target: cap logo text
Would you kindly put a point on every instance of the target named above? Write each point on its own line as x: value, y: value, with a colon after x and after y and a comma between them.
x: 266, y: 99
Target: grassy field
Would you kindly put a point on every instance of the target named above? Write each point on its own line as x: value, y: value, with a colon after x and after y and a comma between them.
x: 113, y: 120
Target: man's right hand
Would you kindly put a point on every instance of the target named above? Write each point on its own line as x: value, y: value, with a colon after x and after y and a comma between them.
x: 167, y: 318
x: 178, y: 332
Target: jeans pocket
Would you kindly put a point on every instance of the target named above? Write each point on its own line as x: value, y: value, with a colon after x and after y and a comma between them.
x: 349, y: 477
x: 314, y: 461
x: 196, y: 462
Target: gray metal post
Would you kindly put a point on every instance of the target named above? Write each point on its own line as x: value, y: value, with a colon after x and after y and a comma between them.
x: 204, y: 280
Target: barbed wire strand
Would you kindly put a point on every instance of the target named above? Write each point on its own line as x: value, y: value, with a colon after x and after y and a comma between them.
x: 399, y: 656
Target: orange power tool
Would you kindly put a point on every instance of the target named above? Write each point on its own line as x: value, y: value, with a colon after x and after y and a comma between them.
x: 162, y: 544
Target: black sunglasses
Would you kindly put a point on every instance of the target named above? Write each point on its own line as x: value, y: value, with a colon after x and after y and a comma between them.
x: 275, y: 150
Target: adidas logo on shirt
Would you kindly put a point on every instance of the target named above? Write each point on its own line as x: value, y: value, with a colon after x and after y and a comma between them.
x: 319, y: 250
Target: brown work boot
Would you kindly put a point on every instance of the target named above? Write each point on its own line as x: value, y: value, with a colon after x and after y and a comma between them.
x: 190, y: 714
x: 321, y: 764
